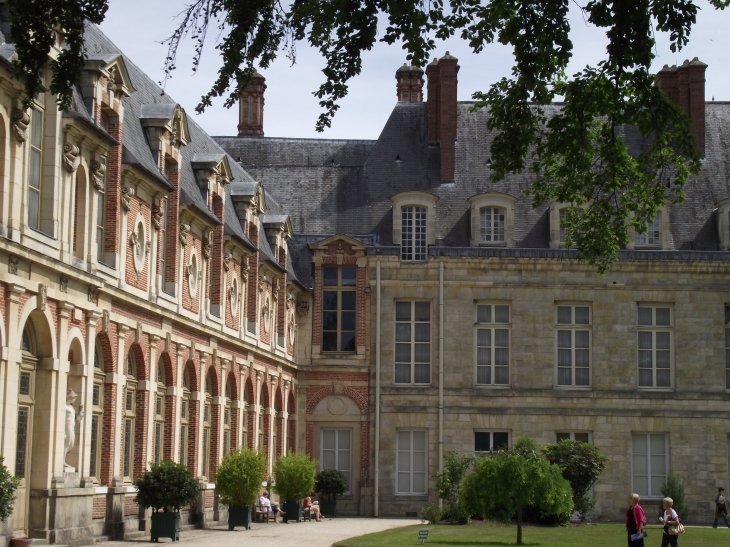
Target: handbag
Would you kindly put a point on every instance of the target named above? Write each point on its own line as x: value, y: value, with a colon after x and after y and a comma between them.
x: 677, y: 529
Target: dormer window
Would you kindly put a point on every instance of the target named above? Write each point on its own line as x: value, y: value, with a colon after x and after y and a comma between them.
x: 413, y: 214
x: 652, y: 235
x: 723, y: 224
x: 492, y: 219
x: 558, y: 231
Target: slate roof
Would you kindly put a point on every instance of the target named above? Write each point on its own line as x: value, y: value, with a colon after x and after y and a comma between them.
x: 329, y: 186
x: 149, y: 101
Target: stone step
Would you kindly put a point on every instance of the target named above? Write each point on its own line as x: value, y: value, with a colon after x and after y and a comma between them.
x: 102, y: 539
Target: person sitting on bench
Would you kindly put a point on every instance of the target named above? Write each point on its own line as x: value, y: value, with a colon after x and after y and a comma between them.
x: 264, y: 501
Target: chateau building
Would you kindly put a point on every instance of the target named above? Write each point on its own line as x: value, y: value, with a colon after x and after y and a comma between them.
x: 165, y: 294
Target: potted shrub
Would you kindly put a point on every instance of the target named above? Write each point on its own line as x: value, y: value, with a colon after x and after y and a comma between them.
x: 167, y: 486
x: 238, y: 482
x: 8, y: 488
x: 293, y: 480
x: 330, y: 484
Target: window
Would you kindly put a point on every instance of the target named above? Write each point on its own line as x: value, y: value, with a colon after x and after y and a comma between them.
x: 655, y: 342
x: 573, y: 346
x: 652, y: 235
x: 337, y: 452
x: 486, y: 442
x: 582, y: 437
x: 648, y: 463
x: 100, y: 213
x: 413, y: 233
x: 492, y: 225
x: 35, y: 168
x: 159, y: 439
x: 207, y: 424
x: 727, y: 347
x: 412, y: 342
x: 339, y: 299
x: 23, y: 447
x: 184, y: 418
x: 492, y: 345
x: 411, y: 462
x: 97, y: 402
x: 163, y: 239
x: 129, y: 417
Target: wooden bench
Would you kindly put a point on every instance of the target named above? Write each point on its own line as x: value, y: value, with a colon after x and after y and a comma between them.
x: 307, y: 514
x: 262, y: 513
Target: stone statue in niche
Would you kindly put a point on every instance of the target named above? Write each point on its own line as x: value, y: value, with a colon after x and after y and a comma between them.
x: 72, y: 418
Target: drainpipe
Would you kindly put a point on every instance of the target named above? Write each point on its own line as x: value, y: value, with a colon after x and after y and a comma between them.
x: 441, y: 366
x: 376, y: 492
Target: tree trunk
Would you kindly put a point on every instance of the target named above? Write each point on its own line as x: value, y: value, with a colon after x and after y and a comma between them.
x: 519, y: 525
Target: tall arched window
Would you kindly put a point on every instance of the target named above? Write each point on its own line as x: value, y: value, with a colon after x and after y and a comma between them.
x: 184, y: 417
x: 97, y: 408
x: 130, y: 406
x: 159, y: 438
x: 207, y: 420
x: 26, y: 401
x: 35, y: 169
x: 245, y: 442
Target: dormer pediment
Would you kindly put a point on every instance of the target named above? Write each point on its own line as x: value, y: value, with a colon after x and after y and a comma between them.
x: 212, y: 168
x: 113, y: 68
x: 277, y: 226
x: 251, y: 196
x: 338, y: 244
x: 161, y: 119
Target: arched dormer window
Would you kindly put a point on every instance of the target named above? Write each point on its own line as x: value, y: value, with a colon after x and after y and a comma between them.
x: 492, y: 219
x: 414, y: 214
x: 557, y: 220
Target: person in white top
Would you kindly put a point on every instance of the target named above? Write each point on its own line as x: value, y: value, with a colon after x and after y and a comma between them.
x: 264, y: 501
x: 670, y: 518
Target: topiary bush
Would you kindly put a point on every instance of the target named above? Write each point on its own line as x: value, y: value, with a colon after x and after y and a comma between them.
x: 168, y: 486
x: 294, y: 477
x: 674, y: 489
x: 330, y: 483
x: 239, y: 477
x: 8, y: 487
x: 432, y: 513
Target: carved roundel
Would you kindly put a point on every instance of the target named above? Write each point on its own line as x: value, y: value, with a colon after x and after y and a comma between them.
x: 193, y: 273
x: 292, y: 328
x: 336, y: 405
x: 137, y: 243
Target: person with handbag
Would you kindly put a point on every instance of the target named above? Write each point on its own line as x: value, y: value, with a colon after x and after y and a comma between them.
x: 635, y: 521
x: 720, y: 508
x: 671, y: 523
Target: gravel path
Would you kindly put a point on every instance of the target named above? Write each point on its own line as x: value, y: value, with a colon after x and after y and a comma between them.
x: 305, y: 534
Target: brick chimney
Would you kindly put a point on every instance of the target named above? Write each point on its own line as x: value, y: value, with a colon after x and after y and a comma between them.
x: 251, y: 108
x: 410, y: 84
x: 685, y: 86
x: 441, y: 102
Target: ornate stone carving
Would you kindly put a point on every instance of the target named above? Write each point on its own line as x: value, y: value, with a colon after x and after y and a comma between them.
x: 110, y: 83
x: 192, y: 348
x: 21, y: 121
x: 303, y: 308
x: 276, y: 287
x: 126, y: 198
x: 63, y: 284
x: 134, y: 240
x: 148, y: 246
x: 245, y: 269
x: 168, y: 342
x: 105, y: 321
x: 72, y: 419
x: 138, y: 333
x: 98, y: 170
x: 13, y: 265
x: 227, y: 257
x: 262, y: 282
x: 157, y: 216
x: 184, y: 230
x: 207, y: 243
x: 91, y: 294
x: 70, y: 157
x: 42, y: 297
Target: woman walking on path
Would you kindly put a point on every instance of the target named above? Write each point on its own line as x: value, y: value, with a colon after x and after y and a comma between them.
x: 670, y: 518
x: 635, y: 521
x: 720, y: 508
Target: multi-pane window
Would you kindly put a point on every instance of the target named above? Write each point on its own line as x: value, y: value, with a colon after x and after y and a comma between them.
x: 163, y: 238
x: 581, y: 436
x: 491, y: 224
x: 129, y: 417
x: 100, y: 215
x: 337, y: 452
x: 573, y: 345
x: 652, y: 235
x: 21, y: 449
x: 184, y: 413
x: 35, y: 168
x: 339, y: 299
x: 492, y: 344
x: 486, y: 442
x: 413, y: 233
x: 97, y: 395
x: 649, y: 463
x: 727, y: 347
x: 411, y: 462
x: 207, y: 424
x: 412, y: 342
x: 159, y: 439
x: 25, y: 405
x: 654, y: 332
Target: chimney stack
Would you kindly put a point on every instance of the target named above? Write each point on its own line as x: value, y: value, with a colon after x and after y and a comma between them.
x: 410, y: 84
x: 685, y: 86
x: 251, y: 108
x: 441, y: 102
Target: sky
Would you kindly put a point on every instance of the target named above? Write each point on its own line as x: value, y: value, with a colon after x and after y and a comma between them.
x: 138, y: 27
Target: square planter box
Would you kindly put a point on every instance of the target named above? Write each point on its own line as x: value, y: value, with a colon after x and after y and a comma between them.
x: 293, y: 512
x: 328, y: 508
x: 165, y: 525
x: 239, y: 516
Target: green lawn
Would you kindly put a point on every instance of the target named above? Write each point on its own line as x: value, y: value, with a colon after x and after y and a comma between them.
x: 591, y: 535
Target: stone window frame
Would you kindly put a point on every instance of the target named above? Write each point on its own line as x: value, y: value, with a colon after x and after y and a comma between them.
x: 415, y: 199
x: 492, y: 447
x: 184, y: 417
x: 571, y: 435
x: 723, y: 223
x: 339, y: 288
x: 492, y: 325
x: 654, y: 328
x: 193, y: 273
x: 556, y: 233
x: 492, y: 199
x: 664, y: 233
x: 139, y: 249
x: 649, y: 495
x: 129, y: 415
x: 573, y: 327
x: 411, y: 430
x: 160, y: 386
x: 412, y: 343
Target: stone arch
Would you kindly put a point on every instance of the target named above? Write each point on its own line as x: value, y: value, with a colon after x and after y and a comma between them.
x: 109, y: 362
x: 215, y: 387
x: 191, y: 370
x: 232, y: 381
x: 337, y: 404
x: 278, y: 400
x: 41, y: 321
x: 248, y: 391
x: 263, y: 399
x: 315, y: 394
x: 76, y: 347
x: 169, y: 370
x: 291, y: 404
x: 108, y: 427
x: 142, y: 371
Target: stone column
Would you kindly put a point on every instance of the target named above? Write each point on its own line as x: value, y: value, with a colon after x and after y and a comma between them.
x: 92, y: 316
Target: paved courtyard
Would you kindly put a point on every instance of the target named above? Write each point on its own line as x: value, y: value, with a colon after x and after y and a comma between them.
x: 305, y: 534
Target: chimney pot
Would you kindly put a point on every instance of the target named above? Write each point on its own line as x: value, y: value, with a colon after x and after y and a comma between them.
x: 410, y: 84
x: 251, y: 108
x: 685, y: 87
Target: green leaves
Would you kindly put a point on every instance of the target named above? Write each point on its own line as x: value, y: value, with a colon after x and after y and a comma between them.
x: 239, y: 477
x: 448, y: 483
x: 294, y: 477
x: 8, y: 488
x: 330, y: 483
x: 167, y: 485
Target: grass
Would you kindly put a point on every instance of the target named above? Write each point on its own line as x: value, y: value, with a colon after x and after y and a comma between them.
x: 478, y: 533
